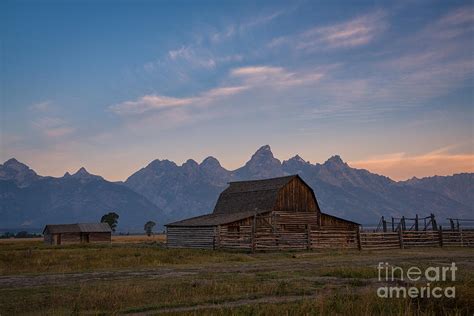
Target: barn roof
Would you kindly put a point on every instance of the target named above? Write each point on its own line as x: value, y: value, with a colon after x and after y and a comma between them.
x: 256, y: 195
x: 240, y: 200
x: 78, y: 228
x: 215, y: 219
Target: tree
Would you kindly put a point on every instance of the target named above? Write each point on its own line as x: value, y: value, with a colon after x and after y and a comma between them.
x: 22, y: 234
x: 149, y: 227
x: 7, y: 235
x: 111, y: 219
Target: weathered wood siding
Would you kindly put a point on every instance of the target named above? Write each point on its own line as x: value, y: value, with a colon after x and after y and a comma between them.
x: 76, y: 238
x: 284, y: 220
x: 98, y: 237
x: 48, y: 239
x: 69, y: 238
x: 296, y: 196
x: 235, y: 239
x: 190, y: 237
x: 333, y: 239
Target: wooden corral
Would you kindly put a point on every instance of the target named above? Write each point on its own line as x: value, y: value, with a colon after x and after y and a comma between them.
x: 278, y: 213
x: 64, y: 234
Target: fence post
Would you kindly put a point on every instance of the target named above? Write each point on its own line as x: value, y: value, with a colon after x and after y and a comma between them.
x: 440, y: 234
x: 252, y: 239
x: 308, y: 237
x: 359, y: 243
x: 400, y: 238
x: 433, y: 222
x: 214, y: 240
x: 461, y: 238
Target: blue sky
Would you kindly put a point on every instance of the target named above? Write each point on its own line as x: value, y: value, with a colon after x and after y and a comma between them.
x: 112, y: 85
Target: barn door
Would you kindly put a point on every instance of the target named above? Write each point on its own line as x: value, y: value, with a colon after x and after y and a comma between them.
x: 86, y: 238
x: 58, y: 241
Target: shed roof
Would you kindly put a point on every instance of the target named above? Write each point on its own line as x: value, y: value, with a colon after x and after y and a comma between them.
x: 215, y: 219
x: 340, y: 218
x: 78, y: 228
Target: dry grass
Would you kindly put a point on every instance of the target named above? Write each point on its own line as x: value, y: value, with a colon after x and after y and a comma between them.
x: 161, y: 238
x: 347, y: 301
x: 35, y: 257
x: 19, y: 240
x: 115, y: 239
x: 144, y: 294
x: 326, y: 282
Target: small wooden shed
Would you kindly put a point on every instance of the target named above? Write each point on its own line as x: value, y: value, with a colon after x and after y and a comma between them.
x: 77, y: 233
x: 270, y: 208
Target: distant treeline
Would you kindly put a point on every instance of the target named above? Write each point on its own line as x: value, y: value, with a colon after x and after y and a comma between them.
x: 20, y: 234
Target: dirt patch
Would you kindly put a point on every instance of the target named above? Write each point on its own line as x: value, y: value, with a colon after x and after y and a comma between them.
x: 302, y: 262
x: 237, y: 303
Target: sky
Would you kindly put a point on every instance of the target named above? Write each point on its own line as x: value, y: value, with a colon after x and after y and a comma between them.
x: 113, y: 85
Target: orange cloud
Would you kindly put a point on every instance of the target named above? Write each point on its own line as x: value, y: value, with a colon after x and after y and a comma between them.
x: 400, y: 166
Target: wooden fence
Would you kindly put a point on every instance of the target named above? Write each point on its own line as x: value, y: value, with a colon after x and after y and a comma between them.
x: 266, y: 239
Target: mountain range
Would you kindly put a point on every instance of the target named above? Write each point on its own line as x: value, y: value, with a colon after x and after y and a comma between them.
x: 30, y: 200
x: 163, y: 191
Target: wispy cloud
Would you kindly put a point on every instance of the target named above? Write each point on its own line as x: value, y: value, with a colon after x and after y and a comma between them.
x: 53, y: 127
x: 401, y: 166
x: 189, y: 55
x: 431, y: 63
x: 44, y: 106
x: 389, y: 90
x: 47, y: 121
x: 419, y: 68
x: 202, y: 52
x: 247, y: 78
x: 227, y: 33
x: 453, y: 24
x: 415, y: 74
x: 276, y: 76
x: 258, y: 70
x: 222, y: 92
x: 358, y: 31
x: 265, y: 19
x: 149, y: 103
x: 186, y: 58
x: 239, y: 29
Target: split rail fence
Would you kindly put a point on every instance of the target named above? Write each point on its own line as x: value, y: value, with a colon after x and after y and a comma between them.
x: 309, y: 239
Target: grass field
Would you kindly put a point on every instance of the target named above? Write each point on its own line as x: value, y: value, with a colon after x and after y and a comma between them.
x: 138, y: 275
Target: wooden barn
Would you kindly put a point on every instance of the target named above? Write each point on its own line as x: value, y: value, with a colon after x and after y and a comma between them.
x: 77, y: 233
x: 273, y: 213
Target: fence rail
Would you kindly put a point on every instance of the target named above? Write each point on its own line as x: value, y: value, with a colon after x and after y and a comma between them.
x: 256, y: 240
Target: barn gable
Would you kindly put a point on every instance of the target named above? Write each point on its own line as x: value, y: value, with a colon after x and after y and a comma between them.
x: 296, y: 196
